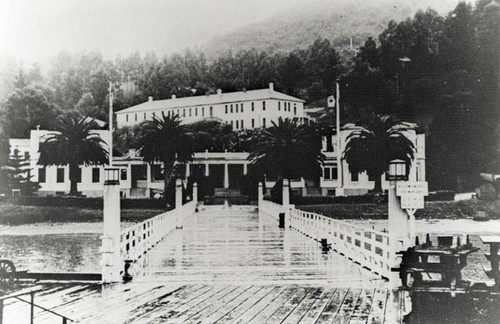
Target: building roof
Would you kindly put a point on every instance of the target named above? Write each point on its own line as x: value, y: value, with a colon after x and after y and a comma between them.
x: 207, y: 100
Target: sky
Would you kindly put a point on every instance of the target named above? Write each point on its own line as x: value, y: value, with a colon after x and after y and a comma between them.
x: 37, y: 29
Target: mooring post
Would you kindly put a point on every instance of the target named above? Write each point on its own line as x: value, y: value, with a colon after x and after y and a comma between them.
x: 178, y: 203
x: 286, y: 201
x: 111, y: 263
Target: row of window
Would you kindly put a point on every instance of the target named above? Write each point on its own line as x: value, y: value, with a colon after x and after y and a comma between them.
x: 239, y: 124
x: 42, y: 175
x: 184, y: 112
x: 331, y: 173
x: 287, y: 107
x: 238, y: 108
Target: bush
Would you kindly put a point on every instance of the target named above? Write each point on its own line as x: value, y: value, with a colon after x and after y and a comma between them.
x: 441, y: 195
x: 323, y: 200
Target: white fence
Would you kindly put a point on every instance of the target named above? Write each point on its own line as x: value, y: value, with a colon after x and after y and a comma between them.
x: 369, y: 248
x: 139, y: 238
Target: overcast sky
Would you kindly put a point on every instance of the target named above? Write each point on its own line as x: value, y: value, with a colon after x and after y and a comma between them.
x: 36, y: 29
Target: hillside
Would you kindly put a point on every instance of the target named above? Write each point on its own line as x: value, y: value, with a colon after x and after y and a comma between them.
x: 337, y: 21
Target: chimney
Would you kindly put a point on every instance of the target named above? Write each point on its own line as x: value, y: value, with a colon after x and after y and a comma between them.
x: 271, y: 86
x: 219, y: 92
x: 150, y: 98
x: 174, y: 96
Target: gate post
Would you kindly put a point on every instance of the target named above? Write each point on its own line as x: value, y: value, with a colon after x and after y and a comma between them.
x: 398, y: 232
x: 286, y: 201
x: 260, y: 195
x: 110, y: 250
x: 178, y: 203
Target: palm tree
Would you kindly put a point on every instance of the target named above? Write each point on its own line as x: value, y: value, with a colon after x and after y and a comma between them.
x: 166, y: 140
x: 73, y: 144
x: 376, y: 141
x: 288, y: 150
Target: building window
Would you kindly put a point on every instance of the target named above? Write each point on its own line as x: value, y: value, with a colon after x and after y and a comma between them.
x: 295, y: 109
x: 42, y: 175
x: 241, y: 124
x: 279, y: 105
x: 263, y: 105
x: 253, y: 123
x: 135, y: 116
x: 241, y: 107
x: 236, y: 107
x: 126, y: 118
x: 178, y: 113
x: 95, y: 175
x: 330, y: 173
x: 196, y: 111
x: 253, y: 106
x: 264, y: 122
x: 231, y: 109
x: 202, y: 111
x: 231, y: 123
x: 60, y: 175
x: 354, y: 177
x: 183, y: 112
x: 190, y: 112
x: 144, y: 116
x: 289, y: 106
x: 157, y: 172
x: 226, y: 109
x: 211, y: 111
x: 237, y: 124
x: 123, y: 174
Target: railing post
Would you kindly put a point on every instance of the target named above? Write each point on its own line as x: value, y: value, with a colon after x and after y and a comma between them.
x: 286, y: 201
x: 1, y: 311
x: 195, y: 193
x: 32, y: 307
x: 111, y: 263
x: 178, y: 203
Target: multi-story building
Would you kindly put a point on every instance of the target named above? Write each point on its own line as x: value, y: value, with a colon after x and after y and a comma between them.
x: 242, y: 109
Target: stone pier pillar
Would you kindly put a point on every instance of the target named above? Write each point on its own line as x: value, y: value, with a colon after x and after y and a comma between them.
x: 111, y: 263
x: 260, y: 196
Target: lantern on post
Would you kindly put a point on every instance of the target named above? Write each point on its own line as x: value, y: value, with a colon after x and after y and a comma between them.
x: 111, y: 176
x: 398, y: 171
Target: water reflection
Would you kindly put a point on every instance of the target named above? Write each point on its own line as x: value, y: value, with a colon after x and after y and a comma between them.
x: 52, y: 252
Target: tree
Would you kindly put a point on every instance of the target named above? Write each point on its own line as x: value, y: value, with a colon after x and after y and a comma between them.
x: 19, y: 174
x: 288, y: 150
x: 376, y: 141
x: 166, y: 140
x: 26, y: 109
x: 73, y: 144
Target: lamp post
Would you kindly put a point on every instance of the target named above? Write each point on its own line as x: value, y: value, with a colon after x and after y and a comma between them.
x: 110, y: 124
x: 398, y: 220
x: 111, y: 263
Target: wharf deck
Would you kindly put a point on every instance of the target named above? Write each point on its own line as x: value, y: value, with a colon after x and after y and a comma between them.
x: 227, y: 265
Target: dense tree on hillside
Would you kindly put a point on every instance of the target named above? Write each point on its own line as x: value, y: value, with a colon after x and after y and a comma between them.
x: 73, y: 144
x: 165, y: 140
x: 27, y: 108
x: 287, y: 150
x: 376, y: 141
x: 19, y: 173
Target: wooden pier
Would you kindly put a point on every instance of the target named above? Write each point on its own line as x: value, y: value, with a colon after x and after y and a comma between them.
x: 227, y: 265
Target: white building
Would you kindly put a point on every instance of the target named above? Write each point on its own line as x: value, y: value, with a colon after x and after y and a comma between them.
x: 242, y: 109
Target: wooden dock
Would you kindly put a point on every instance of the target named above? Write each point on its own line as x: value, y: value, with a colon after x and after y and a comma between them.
x: 225, y: 266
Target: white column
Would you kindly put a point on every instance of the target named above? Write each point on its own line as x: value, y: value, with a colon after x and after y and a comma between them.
x: 286, y: 201
x: 148, y: 179
x: 111, y: 261
x: 188, y: 170
x: 207, y: 170
x: 226, y: 175
x: 245, y: 168
x: 260, y: 195
x: 398, y: 232
x: 178, y: 202
x: 195, y: 193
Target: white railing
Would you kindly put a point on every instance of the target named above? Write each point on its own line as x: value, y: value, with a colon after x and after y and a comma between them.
x: 139, y: 238
x: 369, y: 248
